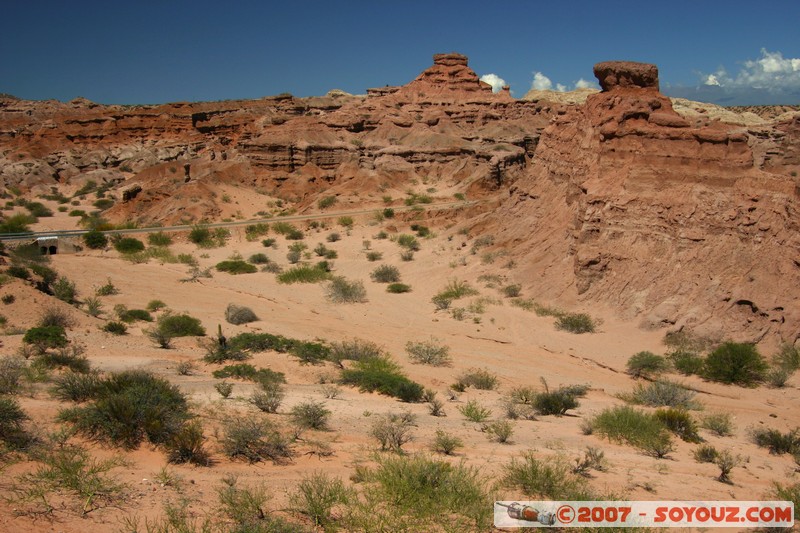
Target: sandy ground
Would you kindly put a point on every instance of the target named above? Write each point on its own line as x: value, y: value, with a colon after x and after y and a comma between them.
x: 516, y: 345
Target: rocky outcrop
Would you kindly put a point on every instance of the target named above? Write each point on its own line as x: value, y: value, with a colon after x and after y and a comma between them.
x: 630, y: 206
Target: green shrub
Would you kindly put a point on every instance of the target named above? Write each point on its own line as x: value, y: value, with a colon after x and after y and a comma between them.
x: 342, y: 290
x: 499, y: 431
x: 254, y: 439
x: 687, y: 363
x: 56, y: 316
x: 787, y: 358
x: 429, y: 352
x: 354, y: 350
x: 318, y: 493
x: 130, y: 407
x: 556, y: 402
x: 546, y: 478
x: 18, y: 271
x: 187, y: 445
x: 576, y: 323
x: 480, y: 379
x: 646, y: 364
x: 326, y: 202
x: 115, y: 328
x: 419, y: 493
x: 239, y: 314
x: 260, y: 342
x: 217, y: 353
x: 254, y: 231
x: 12, y: 418
x: 664, y: 393
x: 251, y: 373
x: 304, y: 274
x: 70, y: 356
x: 155, y: 305
x: 45, y: 337
x: 777, y: 442
x: 680, y: 422
x: 787, y: 492
x: 133, y: 315
x: 310, y: 415
x: 382, y: 375
x: 309, y: 352
x: 268, y: 243
x: 345, y: 222
x: 93, y: 306
x: 64, y: 290
x: 374, y: 256
x: 726, y: 462
x: 474, y: 412
x: 512, y: 291
x: 159, y: 239
x: 721, y: 424
x: 96, y: 240
x: 181, y: 325
x: 393, y: 430
x: 385, y: 274
x: 76, y: 387
x: 283, y: 228
x: 446, y: 443
x: 705, y: 453
x: 259, y: 259
x: 236, y: 266
x: 269, y: 398
x: 637, y: 428
x: 735, y: 363
x: 11, y: 371
x: 17, y: 223
x: 129, y: 245
x: 398, y: 288
x: 108, y: 289
x: 224, y: 388
x: 201, y: 236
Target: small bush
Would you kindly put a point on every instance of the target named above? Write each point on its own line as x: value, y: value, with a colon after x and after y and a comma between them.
x: 253, y: 231
x: 726, y: 462
x: 64, y: 290
x: 680, y: 422
x: 201, y: 236
x: 224, y: 388
x: 181, y: 325
x: 429, y: 352
x: 576, y: 323
x: 268, y: 243
x: 342, y: 290
x: 129, y: 407
x: 385, y: 274
x: 217, y: 353
x: 382, y: 375
x: 56, y: 316
x: 687, y: 363
x: 45, y: 337
x: 326, y: 202
x: 155, y: 305
x: 705, y: 453
x: 393, y: 430
x: 304, y: 274
x: 317, y: 494
x: 311, y: 415
x: 159, y: 239
x: 735, y: 363
x: 345, y: 222
x: 12, y: 418
x: 8, y: 299
x: 720, y: 424
x: 556, y: 402
x: 512, y: 291
x: 236, y: 266
x: 637, y: 428
x: 258, y: 259
x: 70, y: 356
x: 354, y: 350
x: 187, y: 445
x: 499, y: 431
x: 269, y: 398
x: 108, y: 289
x: 115, y: 328
x: 778, y: 443
x: 407, y: 255
x: 96, y: 240
x: 398, y: 288
x: 238, y: 314
x: 133, y: 315
x: 550, y: 478
x: 11, y: 371
x: 446, y: 443
x: 646, y: 364
x: 129, y: 245
x: 480, y: 379
x: 254, y: 439
x: 777, y: 377
x: 474, y: 412
x: 664, y: 393
x: 374, y: 256
x: 76, y: 387
x: 787, y: 358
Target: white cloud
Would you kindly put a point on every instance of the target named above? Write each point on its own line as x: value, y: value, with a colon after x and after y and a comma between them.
x: 771, y: 71
x: 585, y: 84
x: 541, y: 82
x: 495, y: 81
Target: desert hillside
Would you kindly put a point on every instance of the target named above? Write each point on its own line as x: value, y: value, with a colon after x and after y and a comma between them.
x: 383, y: 312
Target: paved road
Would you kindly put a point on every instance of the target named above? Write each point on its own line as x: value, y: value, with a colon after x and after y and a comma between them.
x: 291, y: 218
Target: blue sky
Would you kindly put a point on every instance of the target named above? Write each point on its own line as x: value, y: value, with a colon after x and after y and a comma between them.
x: 164, y: 51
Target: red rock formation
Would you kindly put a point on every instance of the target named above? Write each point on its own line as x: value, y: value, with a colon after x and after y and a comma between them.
x: 627, y: 205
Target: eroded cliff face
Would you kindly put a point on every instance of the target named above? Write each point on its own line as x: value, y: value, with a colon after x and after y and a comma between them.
x: 445, y: 127
x: 629, y: 205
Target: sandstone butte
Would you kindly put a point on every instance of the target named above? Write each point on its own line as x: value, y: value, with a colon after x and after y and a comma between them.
x: 675, y: 220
